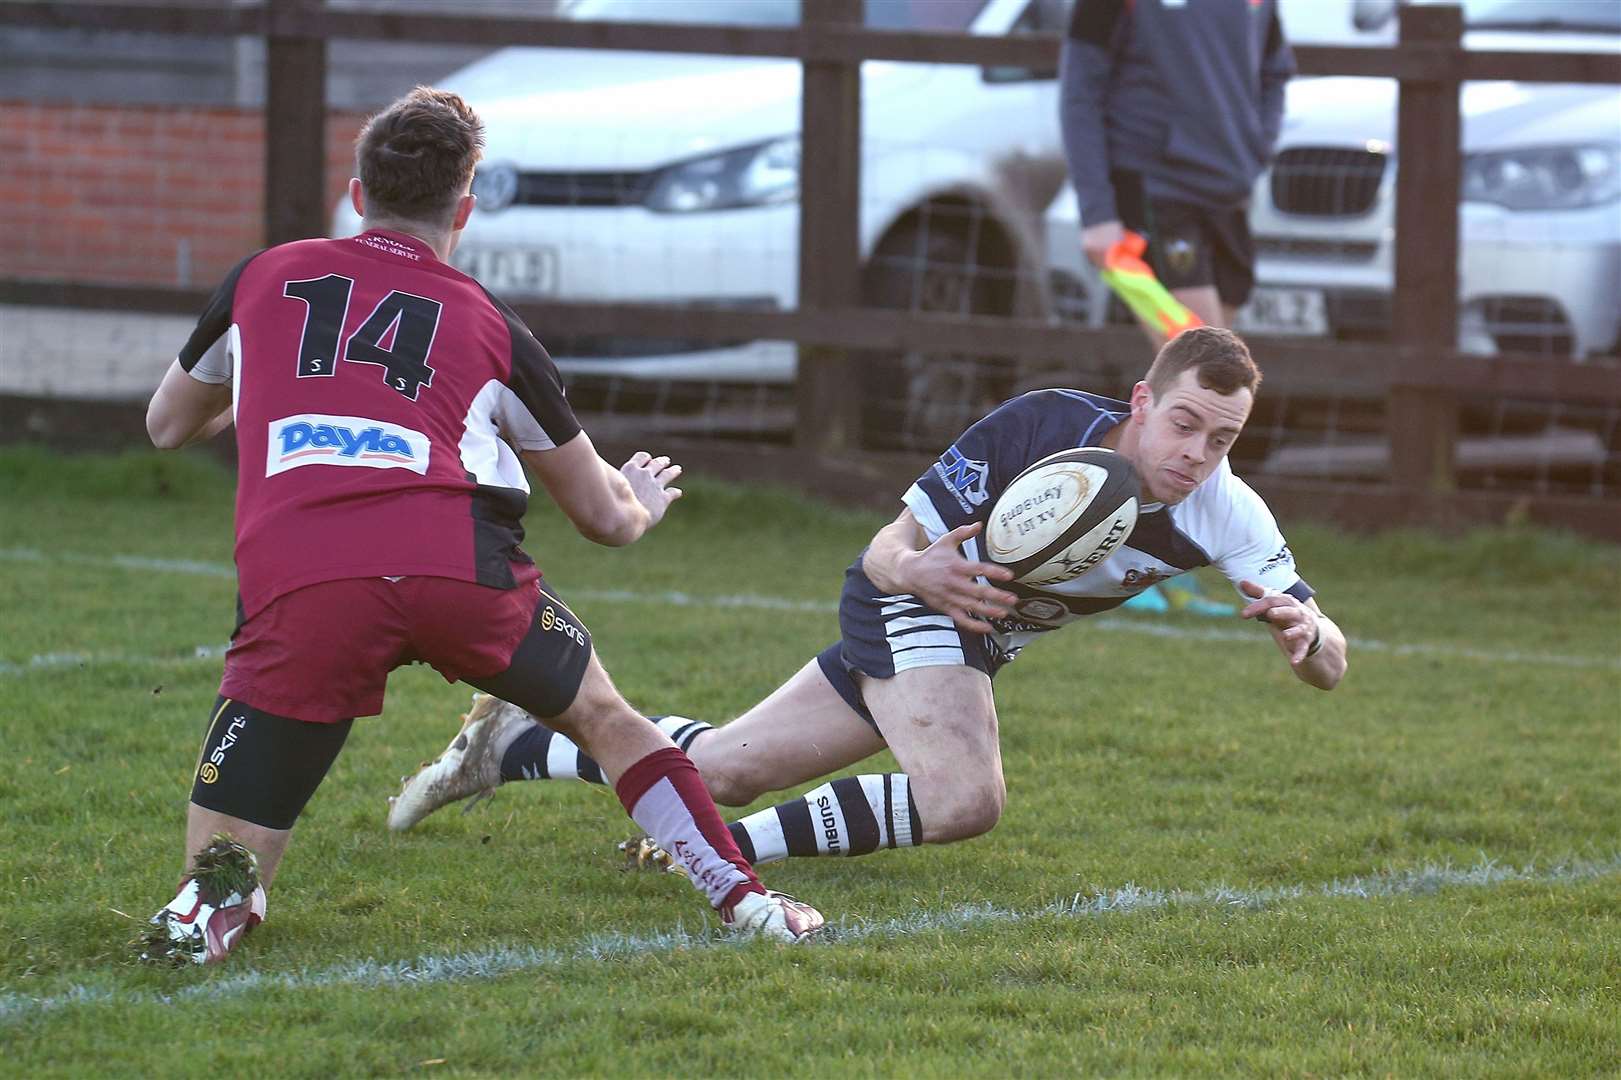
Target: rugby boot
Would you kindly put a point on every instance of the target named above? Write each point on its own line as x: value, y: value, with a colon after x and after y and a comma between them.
x: 772, y: 915
x: 215, y: 907
x: 470, y: 765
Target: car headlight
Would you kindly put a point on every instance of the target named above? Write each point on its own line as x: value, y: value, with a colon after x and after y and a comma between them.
x: 754, y: 175
x: 1544, y: 178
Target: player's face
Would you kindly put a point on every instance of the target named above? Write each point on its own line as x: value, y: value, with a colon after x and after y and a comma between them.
x: 1184, y: 434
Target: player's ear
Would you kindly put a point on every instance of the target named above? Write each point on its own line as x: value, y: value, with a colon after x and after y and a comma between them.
x: 464, y: 210
x: 357, y: 196
x: 1141, y: 398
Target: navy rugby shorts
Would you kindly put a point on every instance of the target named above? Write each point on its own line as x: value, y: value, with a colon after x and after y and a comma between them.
x: 883, y: 635
x: 1191, y: 245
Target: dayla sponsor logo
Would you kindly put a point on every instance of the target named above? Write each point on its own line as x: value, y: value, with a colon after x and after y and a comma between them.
x: 318, y: 439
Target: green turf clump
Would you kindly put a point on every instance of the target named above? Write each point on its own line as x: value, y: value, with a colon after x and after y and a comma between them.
x: 224, y: 868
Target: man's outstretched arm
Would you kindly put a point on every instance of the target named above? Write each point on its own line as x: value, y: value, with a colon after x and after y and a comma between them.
x: 608, y: 506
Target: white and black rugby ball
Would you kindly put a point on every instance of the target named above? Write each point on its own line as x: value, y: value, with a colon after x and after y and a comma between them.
x: 1063, y: 515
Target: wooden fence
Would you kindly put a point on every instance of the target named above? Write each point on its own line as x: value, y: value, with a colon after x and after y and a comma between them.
x: 1420, y: 373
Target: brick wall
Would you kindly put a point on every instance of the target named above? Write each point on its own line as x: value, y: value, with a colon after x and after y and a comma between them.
x: 139, y: 194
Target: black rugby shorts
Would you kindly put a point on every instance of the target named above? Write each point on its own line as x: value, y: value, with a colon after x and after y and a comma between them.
x: 1191, y: 245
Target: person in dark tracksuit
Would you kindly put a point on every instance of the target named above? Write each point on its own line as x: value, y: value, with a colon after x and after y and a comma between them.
x: 1170, y: 110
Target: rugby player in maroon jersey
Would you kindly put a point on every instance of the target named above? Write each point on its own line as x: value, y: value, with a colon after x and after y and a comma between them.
x: 385, y: 406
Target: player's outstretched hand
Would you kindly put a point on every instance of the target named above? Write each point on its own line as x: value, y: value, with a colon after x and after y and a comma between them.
x: 650, y: 479
x: 947, y: 582
x: 1293, y: 623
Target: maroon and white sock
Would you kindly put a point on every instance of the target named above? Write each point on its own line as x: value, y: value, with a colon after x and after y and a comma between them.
x: 664, y: 794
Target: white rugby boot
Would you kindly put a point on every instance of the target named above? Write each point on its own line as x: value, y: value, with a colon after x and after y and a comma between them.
x: 214, y: 909
x: 773, y: 915
x: 470, y: 765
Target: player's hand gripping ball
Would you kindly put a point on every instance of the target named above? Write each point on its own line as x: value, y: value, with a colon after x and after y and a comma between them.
x: 1064, y: 515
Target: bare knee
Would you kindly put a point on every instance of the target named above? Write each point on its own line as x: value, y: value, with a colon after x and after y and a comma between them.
x: 961, y: 811
x: 597, y: 709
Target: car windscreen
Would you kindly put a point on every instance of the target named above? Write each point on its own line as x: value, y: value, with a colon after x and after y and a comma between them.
x: 1596, y: 16
x: 945, y: 15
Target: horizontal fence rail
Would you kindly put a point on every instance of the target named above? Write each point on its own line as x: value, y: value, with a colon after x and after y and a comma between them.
x: 1370, y: 369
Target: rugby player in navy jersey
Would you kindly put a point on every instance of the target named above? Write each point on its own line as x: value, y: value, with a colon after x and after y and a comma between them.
x: 383, y: 402
x: 926, y: 625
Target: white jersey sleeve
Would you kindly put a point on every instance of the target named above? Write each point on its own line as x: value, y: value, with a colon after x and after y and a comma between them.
x: 217, y: 364
x: 1245, y: 542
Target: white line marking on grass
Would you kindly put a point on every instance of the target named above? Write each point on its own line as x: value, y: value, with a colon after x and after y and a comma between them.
x: 753, y: 602
x: 123, y: 562
x: 507, y: 960
x: 57, y: 661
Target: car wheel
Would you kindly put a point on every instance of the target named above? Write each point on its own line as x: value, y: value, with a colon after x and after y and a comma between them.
x: 914, y: 400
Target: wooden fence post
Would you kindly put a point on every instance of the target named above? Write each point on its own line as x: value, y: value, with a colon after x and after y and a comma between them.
x: 827, y: 401
x: 1423, y: 424
x: 295, y: 127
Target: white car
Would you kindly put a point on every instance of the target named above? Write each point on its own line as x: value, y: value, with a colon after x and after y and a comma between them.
x: 1539, y: 219
x: 671, y: 178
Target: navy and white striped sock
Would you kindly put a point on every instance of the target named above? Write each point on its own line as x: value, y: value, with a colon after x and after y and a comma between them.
x: 681, y: 730
x: 854, y: 815
x: 540, y: 753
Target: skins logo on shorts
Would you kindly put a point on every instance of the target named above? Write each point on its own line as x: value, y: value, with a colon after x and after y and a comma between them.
x: 209, y: 771
x: 316, y: 439
x: 550, y: 620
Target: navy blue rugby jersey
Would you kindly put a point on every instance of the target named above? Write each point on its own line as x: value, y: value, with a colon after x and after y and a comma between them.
x: 1222, y: 523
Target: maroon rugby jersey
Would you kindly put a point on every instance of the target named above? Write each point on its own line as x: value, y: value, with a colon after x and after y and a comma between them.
x: 375, y: 391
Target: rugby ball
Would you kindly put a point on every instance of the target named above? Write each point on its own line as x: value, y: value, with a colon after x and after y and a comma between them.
x: 1063, y: 515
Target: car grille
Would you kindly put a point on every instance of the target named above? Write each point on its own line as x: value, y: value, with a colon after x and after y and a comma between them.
x: 582, y: 188
x: 1326, y: 181
x: 1299, y: 247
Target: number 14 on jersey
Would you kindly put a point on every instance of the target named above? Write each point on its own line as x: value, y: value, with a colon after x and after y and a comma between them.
x: 407, y: 322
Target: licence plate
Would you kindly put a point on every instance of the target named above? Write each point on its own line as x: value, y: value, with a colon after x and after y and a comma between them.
x: 1281, y: 311
x: 511, y: 271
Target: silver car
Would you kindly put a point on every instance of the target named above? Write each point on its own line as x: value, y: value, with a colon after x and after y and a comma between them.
x: 1540, y: 214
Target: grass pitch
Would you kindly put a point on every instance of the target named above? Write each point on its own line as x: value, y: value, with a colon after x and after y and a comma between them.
x: 1205, y: 867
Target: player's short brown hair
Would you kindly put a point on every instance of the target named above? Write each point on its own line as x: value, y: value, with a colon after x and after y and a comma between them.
x: 416, y: 156
x: 1220, y: 356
